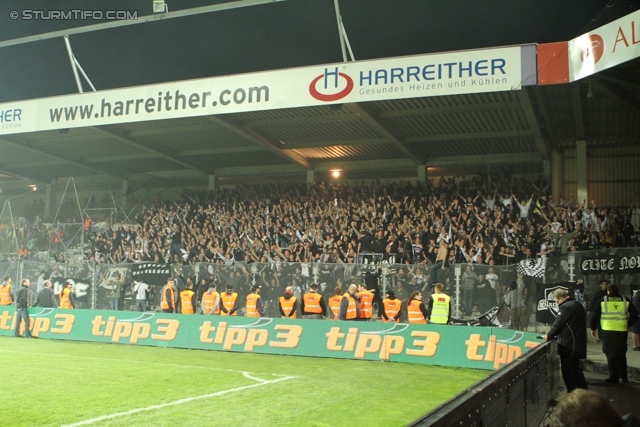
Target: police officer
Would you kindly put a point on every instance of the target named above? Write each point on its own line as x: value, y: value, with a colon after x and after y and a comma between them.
x: 614, y: 314
x: 439, y: 307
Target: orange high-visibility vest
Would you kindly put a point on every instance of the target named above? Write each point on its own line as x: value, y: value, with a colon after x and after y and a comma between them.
x: 228, y: 301
x: 65, y: 298
x: 252, y: 305
x: 209, y: 301
x: 23, y: 253
x: 287, y: 306
x: 186, y: 301
x: 5, y: 294
x: 334, y: 304
x: 366, y: 304
x: 87, y: 224
x: 413, y: 312
x: 352, y: 311
x: 312, y: 303
x: 391, y: 308
x: 165, y: 304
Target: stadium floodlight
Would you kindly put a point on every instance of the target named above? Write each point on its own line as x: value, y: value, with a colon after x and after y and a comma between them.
x: 159, y: 6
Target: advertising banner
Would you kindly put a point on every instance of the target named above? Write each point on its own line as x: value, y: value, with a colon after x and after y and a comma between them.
x: 605, y: 47
x: 610, y: 264
x: 445, y: 345
x: 474, y: 71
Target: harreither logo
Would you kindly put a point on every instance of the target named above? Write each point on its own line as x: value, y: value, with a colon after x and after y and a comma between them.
x: 336, y: 86
x: 593, y: 52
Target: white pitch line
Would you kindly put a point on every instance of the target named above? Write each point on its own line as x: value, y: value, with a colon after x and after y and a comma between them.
x: 137, y: 361
x: 175, y: 402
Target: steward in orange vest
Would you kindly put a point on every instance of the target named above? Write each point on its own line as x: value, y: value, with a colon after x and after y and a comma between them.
x: 366, y: 302
x: 416, y: 310
x: 392, y: 307
x: 313, y: 305
x: 168, y: 303
x: 255, y: 306
x: 188, y: 300
x: 66, y: 297
x: 5, y: 292
x: 349, y: 307
x: 288, y: 304
x: 334, y: 303
x: 229, y: 302
x: 211, y: 300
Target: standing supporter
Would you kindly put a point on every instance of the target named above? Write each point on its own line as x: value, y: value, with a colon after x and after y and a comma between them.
x: 469, y: 279
x: 439, y: 307
x: 141, y: 291
x: 636, y: 326
x: 515, y: 299
x: 287, y: 304
x: 46, y: 297
x: 313, y: 305
x: 349, y: 306
x: 169, y: 297
x: 211, y: 300
x: 22, y: 313
x: 416, y: 310
x: 67, y: 299
x: 366, y: 302
x: 391, y: 308
x: 188, y: 300
x: 615, y: 314
x: 229, y: 305
x: 254, y: 306
x: 570, y: 327
x: 6, y: 294
x: 334, y: 303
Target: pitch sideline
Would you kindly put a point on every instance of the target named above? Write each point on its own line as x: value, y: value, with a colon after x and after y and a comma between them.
x: 180, y: 401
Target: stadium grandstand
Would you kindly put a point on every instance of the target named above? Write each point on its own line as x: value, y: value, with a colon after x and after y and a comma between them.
x: 504, y: 165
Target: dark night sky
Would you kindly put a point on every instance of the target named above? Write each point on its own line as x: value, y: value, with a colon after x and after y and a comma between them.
x: 287, y: 34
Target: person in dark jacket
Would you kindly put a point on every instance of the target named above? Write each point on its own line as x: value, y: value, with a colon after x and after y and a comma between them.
x: 597, y: 297
x: 570, y: 327
x: 46, y: 297
x: 22, y: 303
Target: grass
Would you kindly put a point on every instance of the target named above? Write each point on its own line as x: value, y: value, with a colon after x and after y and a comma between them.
x: 54, y: 383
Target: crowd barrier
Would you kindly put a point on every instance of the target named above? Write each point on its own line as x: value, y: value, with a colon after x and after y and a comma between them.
x: 92, y: 290
x: 444, y: 345
x: 518, y: 395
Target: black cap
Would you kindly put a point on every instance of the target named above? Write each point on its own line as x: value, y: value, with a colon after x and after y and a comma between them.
x: 314, y: 286
x: 255, y: 287
x: 391, y: 293
x: 229, y: 287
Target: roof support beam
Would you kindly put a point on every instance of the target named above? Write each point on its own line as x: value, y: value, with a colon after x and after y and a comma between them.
x: 169, y: 156
x: 299, y: 120
x: 168, y: 131
x: 66, y: 158
x: 532, y: 121
x: 469, y: 135
x: 425, y: 111
x: 371, y: 165
x: 346, y: 143
x: 576, y: 102
x: 21, y: 176
x: 260, y: 140
x: 369, y: 119
x: 485, y: 159
x: 618, y: 94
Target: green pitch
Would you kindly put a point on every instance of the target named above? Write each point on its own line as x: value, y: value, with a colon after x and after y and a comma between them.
x: 55, y: 383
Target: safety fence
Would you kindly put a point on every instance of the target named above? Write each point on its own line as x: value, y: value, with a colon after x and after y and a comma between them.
x: 518, y: 395
x: 92, y: 281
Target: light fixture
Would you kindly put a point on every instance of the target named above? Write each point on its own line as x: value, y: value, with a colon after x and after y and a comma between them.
x: 590, y: 92
x: 335, y: 174
x: 35, y: 188
x: 159, y: 6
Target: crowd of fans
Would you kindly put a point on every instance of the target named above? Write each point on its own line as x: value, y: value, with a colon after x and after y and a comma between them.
x: 493, y: 219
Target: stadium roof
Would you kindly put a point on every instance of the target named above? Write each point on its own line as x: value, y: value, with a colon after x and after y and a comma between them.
x: 380, y: 138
